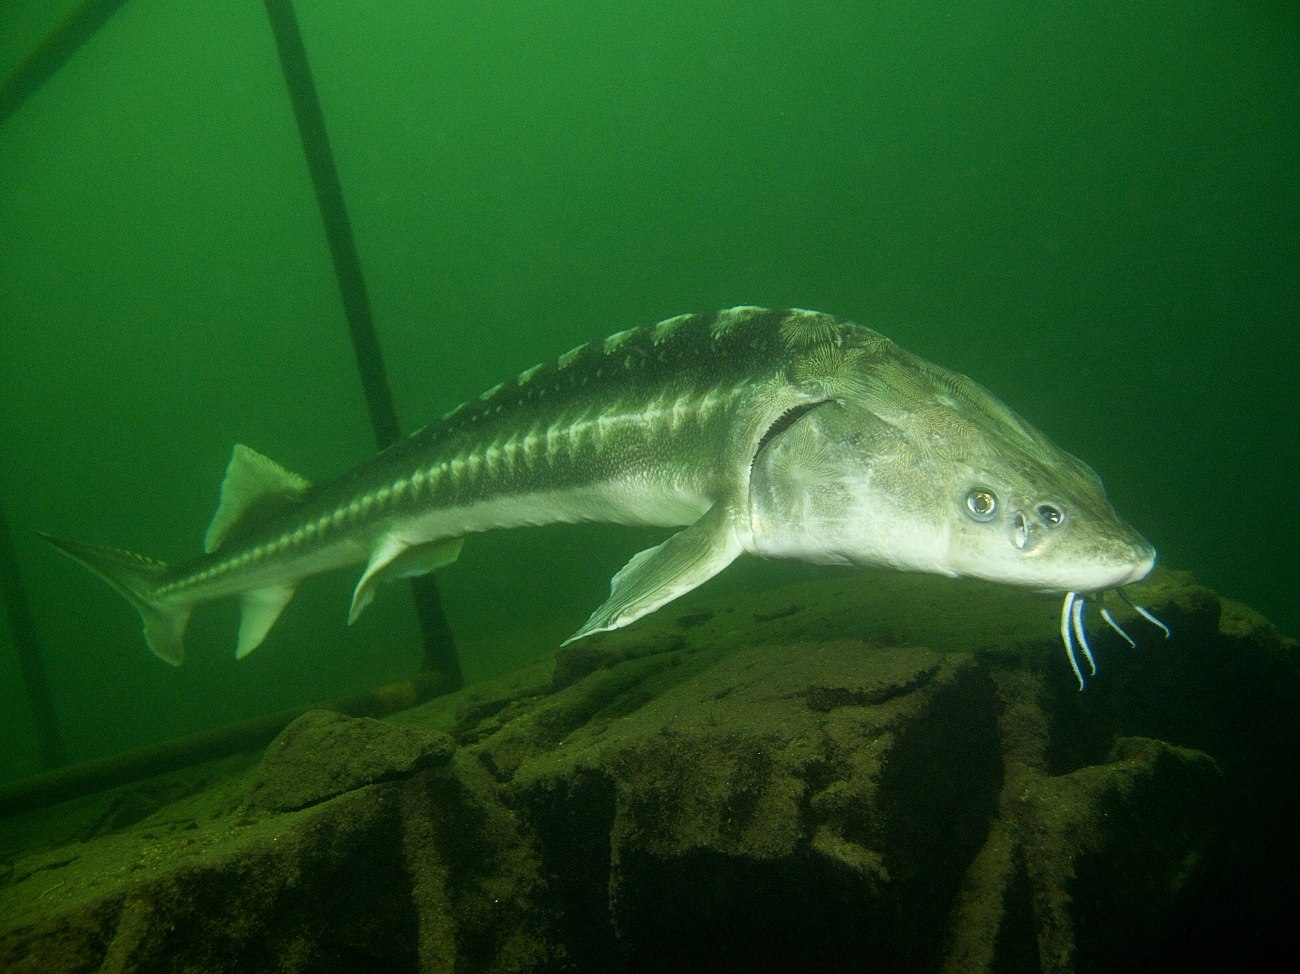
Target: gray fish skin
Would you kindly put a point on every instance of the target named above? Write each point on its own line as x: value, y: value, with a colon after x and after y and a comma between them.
x: 784, y: 434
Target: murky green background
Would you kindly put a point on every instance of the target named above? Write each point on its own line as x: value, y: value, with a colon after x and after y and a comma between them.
x: 1091, y: 208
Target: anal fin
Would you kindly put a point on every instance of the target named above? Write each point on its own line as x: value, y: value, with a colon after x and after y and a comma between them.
x: 658, y: 575
x: 259, y: 608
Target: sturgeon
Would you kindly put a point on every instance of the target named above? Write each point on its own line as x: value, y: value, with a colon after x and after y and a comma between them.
x: 785, y: 434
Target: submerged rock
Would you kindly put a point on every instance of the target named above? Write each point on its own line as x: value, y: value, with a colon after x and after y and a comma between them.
x: 324, y: 754
x: 805, y: 784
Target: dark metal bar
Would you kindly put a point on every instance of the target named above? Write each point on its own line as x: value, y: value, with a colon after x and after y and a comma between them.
x: 38, y: 791
x: 438, y: 641
x: 49, y: 742
x: 334, y: 212
x: 43, y: 63
x: 38, y: 67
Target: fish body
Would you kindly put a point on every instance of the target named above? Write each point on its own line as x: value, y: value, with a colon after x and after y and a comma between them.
x: 778, y: 433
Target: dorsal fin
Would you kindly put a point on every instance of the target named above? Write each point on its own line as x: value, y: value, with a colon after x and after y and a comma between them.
x: 254, y: 487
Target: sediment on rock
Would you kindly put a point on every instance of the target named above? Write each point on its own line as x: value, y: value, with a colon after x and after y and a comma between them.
x: 767, y: 787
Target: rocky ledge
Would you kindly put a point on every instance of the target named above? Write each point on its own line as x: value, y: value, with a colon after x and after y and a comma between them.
x: 836, y: 776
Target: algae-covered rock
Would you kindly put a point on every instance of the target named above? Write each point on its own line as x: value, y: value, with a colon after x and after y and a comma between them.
x: 754, y: 804
x: 785, y: 784
x: 1111, y: 850
x: 324, y: 753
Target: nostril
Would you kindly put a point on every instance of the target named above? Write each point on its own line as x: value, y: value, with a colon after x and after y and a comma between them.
x: 1020, y: 535
x: 1051, y: 515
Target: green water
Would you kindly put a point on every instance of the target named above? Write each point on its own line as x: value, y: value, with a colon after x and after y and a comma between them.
x: 1090, y: 208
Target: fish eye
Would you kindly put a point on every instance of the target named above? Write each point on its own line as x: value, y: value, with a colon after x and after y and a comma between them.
x: 982, y: 504
x: 1051, y: 515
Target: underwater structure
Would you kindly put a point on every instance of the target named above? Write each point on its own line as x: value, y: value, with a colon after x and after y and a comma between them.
x: 828, y: 776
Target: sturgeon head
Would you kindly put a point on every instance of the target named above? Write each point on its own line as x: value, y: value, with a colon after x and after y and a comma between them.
x: 896, y: 462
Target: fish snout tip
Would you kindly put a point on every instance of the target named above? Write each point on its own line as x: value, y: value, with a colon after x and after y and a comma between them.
x: 1144, y: 560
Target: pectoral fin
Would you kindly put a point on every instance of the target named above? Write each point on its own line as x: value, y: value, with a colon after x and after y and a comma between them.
x: 395, y: 558
x: 658, y: 575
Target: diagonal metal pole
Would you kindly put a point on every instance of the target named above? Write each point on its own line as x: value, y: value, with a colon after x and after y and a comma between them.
x: 79, y: 26
x: 439, y: 643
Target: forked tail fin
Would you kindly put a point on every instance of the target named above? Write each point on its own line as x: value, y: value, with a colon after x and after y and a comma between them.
x: 136, y: 577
